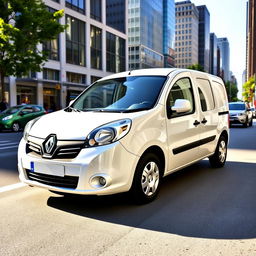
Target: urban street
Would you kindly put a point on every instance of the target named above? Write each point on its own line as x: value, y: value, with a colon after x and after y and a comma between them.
x: 199, y: 211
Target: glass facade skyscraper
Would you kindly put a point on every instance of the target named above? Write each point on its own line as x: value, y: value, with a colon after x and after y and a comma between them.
x: 169, y: 33
x: 223, y: 45
x: 204, y: 37
x: 145, y: 33
x: 213, y: 54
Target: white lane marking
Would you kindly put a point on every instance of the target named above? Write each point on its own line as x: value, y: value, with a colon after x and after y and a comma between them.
x: 8, y: 144
x: 9, y: 147
x: 4, y: 141
x: 12, y: 187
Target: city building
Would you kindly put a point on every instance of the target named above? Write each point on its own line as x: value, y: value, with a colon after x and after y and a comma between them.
x: 223, y: 45
x: 251, y: 38
x: 145, y: 34
x: 169, y: 33
x: 186, y: 39
x: 94, y: 45
x: 204, y: 38
x: 213, y: 54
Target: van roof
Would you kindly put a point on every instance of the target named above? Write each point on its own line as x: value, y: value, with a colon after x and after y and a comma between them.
x: 156, y: 72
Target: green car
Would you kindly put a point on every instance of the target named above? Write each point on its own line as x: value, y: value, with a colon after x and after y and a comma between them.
x: 17, y: 117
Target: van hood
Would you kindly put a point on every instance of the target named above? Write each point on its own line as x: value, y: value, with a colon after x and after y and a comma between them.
x: 72, y: 125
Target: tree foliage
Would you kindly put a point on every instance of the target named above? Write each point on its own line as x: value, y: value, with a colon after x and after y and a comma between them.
x: 232, y: 91
x: 23, y: 25
x: 196, y: 67
x: 249, y: 90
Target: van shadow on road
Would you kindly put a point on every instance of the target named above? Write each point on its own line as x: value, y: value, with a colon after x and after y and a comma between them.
x: 197, y: 202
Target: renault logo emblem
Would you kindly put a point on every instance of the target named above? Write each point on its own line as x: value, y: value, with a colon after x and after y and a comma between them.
x: 50, y: 144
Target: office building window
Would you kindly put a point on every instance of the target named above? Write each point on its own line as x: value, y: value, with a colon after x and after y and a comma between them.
x: 94, y: 79
x: 115, y: 14
x: 96, y: 9
x: 96, y: 47
x: 115, y: 53
x: 75, y: 41
x: 51, y: 74
x: 77, y: 5
x: 52, y: 47
x: 75, y: 78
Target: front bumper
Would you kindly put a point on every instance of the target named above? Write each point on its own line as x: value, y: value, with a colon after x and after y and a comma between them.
x: 6, y: 124
x: 113, y: 162
x: 237, y: 119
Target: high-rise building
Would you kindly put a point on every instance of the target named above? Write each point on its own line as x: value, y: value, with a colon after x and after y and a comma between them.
x: 94, y: 45
x: 223, y: 45
x: 204, y: 38
x: 145, y: 33
x: 169, y: 33
x: 186, y: 40
x: 251, y: 67
x: 213, y: 54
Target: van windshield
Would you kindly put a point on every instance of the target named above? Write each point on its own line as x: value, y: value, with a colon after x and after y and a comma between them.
x: 236, y: 106
x: 127, y: 94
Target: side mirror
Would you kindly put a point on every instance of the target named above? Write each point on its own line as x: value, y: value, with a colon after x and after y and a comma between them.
x: 21, y: 113
x: 181, y: 106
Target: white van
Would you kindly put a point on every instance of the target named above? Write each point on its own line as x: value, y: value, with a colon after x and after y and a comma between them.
x: 126, y: 132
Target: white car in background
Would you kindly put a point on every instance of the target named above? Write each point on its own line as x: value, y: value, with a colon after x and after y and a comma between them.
x: 126, y: 132
x: 240, y: 113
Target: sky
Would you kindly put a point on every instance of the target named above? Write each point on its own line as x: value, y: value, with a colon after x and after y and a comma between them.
x: 228, y: 19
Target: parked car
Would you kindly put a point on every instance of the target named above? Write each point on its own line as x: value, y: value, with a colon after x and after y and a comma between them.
x: 126, y: 132
x: 253, y: 112
x: 240, y: 113
x: 17, y: 117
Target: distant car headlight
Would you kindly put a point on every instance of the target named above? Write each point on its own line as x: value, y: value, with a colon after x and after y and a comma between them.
x: 28, y: 128
x: 7, y: 118
x: 108, y: 133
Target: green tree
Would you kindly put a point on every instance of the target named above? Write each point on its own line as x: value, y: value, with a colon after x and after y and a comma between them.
x: 196, y: 67
x: 232, y: 91
x: 23, y: 25
x: 249, y: 89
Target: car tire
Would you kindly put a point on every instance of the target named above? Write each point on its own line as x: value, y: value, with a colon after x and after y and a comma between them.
x: 15, y: 127
x: 147, y: 179
x: 250, y: 124
x: 246, y: 124
x: 218, y: 159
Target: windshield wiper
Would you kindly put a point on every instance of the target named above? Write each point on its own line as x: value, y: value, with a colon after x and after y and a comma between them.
x: 70, y: 109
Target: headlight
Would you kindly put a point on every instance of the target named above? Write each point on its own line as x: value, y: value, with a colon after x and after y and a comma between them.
x: 108, y: 133
x: 241, y: 114
x: 28, y: 128
x: 7, y: 118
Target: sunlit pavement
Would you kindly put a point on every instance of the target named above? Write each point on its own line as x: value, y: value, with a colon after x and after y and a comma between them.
x: 199, y: 211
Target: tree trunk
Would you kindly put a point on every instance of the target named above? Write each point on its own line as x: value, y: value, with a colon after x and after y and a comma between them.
x: 2, y: 85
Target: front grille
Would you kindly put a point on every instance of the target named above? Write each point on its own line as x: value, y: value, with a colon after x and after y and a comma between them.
x: 64, y: 149
x: 51, y: 180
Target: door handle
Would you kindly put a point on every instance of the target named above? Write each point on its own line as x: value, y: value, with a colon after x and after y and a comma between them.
x: 196, y: 123
x: 204, y: 121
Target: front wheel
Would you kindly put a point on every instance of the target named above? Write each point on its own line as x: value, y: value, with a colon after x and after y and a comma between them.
x: 15, y: 127
x: 218, y: 159
x: 147, y: 177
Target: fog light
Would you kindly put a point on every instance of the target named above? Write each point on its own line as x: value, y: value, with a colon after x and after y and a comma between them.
x: 102, y: 181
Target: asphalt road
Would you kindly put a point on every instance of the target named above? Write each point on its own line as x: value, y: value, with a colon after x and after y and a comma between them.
x: 199, y: 211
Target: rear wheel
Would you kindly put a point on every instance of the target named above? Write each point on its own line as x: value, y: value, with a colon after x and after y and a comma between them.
x: 15, y: 127
x: 147, y: 178
x: 219, y: 158
x: 250, y: 124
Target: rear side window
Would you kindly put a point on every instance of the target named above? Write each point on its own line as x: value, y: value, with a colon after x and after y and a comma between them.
x: 182, y: 89
x: 37, y: 109
x: 205, y: 94
x: 220, y: 93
